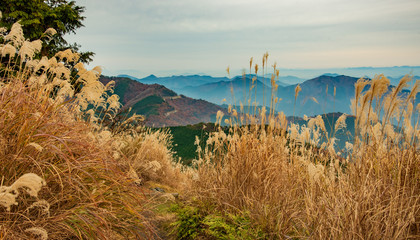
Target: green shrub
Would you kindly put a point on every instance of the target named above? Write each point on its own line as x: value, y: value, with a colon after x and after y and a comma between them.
x: 189, y: 223
x: 193, y: 223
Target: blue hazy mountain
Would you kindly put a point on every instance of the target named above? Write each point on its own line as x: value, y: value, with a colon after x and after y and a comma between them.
x: 261, y: 92
x: 394, y: 72
x: 322, y: 89
x: 317, y: 95
x: 215, y: 89
x: 177, y: 82
x: 290, y: 80
x: 396, y: 80
x: 241, y: 86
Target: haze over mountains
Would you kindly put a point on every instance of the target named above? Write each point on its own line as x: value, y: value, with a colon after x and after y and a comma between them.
x: 177, y: 82
x: 394, y: 72
x: 301, y: 74
x: 317, y: 95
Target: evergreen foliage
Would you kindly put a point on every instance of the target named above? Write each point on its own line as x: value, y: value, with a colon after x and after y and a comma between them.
x: 36, y: 16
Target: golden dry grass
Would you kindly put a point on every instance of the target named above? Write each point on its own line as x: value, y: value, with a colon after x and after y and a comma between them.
x: 147, y: 153
x: 293, y: 188
x: 83, y: 174
x: 88, y: 194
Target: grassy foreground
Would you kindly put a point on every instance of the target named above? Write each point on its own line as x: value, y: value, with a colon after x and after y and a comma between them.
x: 296, y: 186
x: 64, y: 173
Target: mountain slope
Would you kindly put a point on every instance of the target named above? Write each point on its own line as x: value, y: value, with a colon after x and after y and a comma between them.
x: 161, y: 106
x: 317, y: 88
x: 216, y: 92
x: 396, y: 80
x: 290, y: 79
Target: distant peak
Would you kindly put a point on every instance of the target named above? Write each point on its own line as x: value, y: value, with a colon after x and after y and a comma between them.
x: 124, y: 75
x: 127, y: 76
x: 331, y: 74
x: 151, y: 76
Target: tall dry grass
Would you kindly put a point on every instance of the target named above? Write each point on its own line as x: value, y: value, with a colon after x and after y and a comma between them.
x: 82, y: 174
x: 88, y: 195
x: 147, y: 155
x: 293, y: 187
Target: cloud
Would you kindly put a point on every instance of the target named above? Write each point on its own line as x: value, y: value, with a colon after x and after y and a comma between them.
x: 222, y: 15
x: 180, y: 33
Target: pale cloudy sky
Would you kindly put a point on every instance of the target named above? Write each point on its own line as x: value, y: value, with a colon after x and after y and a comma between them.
x: 166, y: 37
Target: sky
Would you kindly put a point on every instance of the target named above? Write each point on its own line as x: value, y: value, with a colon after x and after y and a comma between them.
x: 172, y: 37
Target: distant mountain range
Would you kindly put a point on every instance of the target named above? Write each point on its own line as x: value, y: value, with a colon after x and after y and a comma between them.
x: 395, y: 71
x: 180, y: 82
x: 300, y: 73
x: 164, y: 106
x: 314, y: 98
x: 322, y: 89
x: 235, y: 90
x: 177, y: 82
x: 160, y: 105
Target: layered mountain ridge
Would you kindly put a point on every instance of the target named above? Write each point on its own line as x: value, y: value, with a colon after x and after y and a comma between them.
x: 189, y: 102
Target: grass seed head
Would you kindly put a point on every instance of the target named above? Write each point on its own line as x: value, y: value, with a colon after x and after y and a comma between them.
x: 40, y: 232
x: 297, y: 90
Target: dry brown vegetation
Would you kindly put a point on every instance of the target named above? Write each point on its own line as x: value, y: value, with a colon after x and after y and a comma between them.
x: 293, y: 189
x: 64, y: 175
x: 85, y: 191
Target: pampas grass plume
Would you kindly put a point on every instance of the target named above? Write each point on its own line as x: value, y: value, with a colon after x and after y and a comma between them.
x: 15, y: 35
x: 8, y: 49
x: 42, y: 233
x: 31, y: 182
